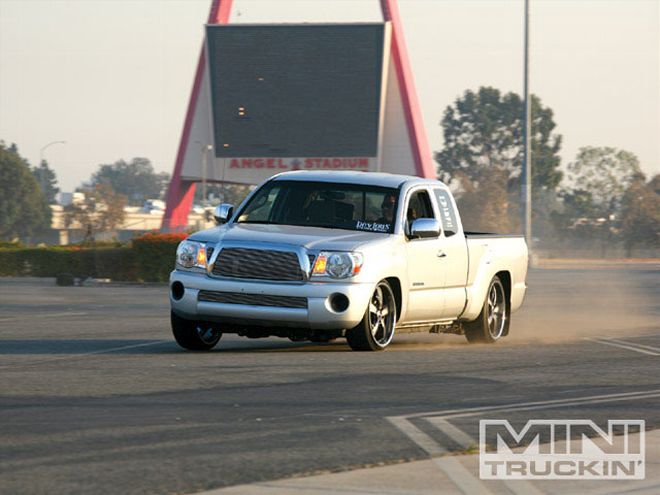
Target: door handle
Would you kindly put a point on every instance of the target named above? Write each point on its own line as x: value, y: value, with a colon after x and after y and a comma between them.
x: 441, y: 254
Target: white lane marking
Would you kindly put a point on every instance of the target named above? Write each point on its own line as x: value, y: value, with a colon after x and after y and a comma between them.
x: 626, y: 345
x: 519, y: 487
x: 72, y: 356
x: 456, y: 472
x: 457, y: 435
x: 460, y: 476
x: 427, y: 444
x: 45, y: 315
x: 565, y: 404
x: 455, y: 412
x: 634, y: 344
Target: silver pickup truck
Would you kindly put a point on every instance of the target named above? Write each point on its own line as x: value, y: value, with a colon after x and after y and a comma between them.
x: 323, y: 255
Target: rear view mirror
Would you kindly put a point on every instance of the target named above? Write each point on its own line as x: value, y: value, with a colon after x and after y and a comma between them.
x: 425, y: 228
x: 223, y: 213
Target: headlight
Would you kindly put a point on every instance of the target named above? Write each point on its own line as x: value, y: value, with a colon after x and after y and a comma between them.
x: 337, y: 264
x: 191, y: 254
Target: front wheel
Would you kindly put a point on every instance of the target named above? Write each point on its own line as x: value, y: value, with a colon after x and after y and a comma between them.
x: 376, y: 330
x: 194, y: 335
x: 493, y: 321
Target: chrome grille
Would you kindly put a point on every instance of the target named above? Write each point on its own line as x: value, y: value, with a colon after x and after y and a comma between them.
x: 262, y: 264
x: 252, y: 299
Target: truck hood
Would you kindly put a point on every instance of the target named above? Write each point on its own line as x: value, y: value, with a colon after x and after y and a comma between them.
x: 311, y: 238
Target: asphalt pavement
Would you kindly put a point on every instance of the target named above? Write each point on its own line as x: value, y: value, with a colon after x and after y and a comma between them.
x: 95, y: 396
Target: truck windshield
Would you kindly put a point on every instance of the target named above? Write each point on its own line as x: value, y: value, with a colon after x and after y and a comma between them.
x: 323, y: 204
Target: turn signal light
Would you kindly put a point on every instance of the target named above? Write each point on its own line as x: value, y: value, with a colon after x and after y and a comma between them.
x: 319, y: 266
x: 201, y: 257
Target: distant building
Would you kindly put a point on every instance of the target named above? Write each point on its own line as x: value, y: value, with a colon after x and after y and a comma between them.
x: 138, y: 221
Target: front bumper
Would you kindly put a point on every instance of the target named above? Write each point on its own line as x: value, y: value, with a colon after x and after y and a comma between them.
x: 318, y: 314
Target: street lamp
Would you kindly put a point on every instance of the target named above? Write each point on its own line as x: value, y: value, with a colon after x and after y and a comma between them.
x: 43, y: 149
x: 205, y: 148
x: 526, y: 176
x: 41, y: 160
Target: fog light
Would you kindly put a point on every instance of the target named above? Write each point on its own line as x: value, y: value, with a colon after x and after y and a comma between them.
x: 177, y: 290
x: 339, y: 302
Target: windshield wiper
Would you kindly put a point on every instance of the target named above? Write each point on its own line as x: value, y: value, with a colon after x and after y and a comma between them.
x: 264, y: 222
x: 321, y: 226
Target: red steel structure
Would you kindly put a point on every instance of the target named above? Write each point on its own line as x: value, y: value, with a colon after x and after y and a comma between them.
x: 181, y: 192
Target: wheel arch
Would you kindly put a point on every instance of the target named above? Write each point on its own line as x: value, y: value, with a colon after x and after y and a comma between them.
x: 395, y: 283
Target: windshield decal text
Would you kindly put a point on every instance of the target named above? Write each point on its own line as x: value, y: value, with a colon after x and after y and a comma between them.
x: 372, y: 226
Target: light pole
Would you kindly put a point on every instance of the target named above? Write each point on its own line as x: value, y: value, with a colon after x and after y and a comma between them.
x: 205, y: 149
x: 526, y: 182
x: 41, y: 160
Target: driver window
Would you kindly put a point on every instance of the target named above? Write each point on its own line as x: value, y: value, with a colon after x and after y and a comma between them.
x: 419, y: 206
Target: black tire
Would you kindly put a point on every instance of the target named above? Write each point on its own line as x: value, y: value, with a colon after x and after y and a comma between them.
x: 194, y: 335
x: 376, y: 330
x: 493, y: 321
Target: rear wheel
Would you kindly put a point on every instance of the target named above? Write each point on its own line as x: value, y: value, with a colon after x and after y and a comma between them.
x: 376, y: 330
x: 195, y: 335
x: 493, y: 321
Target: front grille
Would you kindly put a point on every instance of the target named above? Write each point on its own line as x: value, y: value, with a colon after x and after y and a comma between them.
x: 262, y: 264
x: 252, y: 299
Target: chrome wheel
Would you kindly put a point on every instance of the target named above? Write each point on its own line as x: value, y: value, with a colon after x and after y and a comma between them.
x: 493, y: 321
x: 208, y: 334
x: 496, y: 310
x: 376, y: 330
x: 382, y: 313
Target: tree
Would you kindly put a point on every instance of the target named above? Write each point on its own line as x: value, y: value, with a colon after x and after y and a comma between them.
x: 135, y: 179
x: 102, y: 210
x: 593, y: 199
x: 483, y: 130
x: 47, y: 181
x: 640, y: 214
x: 604, y: 174
x: 23, y: 209
x: 482, y: 158
x: 217, y: 193
x: 488, y: 207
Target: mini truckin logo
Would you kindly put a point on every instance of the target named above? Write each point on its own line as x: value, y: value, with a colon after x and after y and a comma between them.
x: 562, y: 450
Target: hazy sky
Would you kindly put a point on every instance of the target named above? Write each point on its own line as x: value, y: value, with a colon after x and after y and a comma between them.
x: 113, y: 77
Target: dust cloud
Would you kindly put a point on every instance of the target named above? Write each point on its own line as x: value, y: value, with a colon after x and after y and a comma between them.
x: 569, y: 304
x: 572, y: 303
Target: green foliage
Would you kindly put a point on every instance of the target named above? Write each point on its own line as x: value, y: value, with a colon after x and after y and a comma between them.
x: 11, y: 245
x: 483, y: 130
x: 488, y: 207
x: 23, y: 209
x: 102, y: 210
x: 135, y: 179
x: 217, y: 193
x: 609, y: 202
x: 640, y: 215
x: 155, y: 255
x: 47, y: 181
x: 483, y: 153
x: 604, y: 174
x: 150, y: 258
x: 114, y: 263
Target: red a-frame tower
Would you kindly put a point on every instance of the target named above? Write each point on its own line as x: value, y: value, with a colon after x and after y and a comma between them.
x: 403, y: 146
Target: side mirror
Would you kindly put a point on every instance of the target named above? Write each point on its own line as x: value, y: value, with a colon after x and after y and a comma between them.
x: 425, y: 228
x: 223, y: 213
